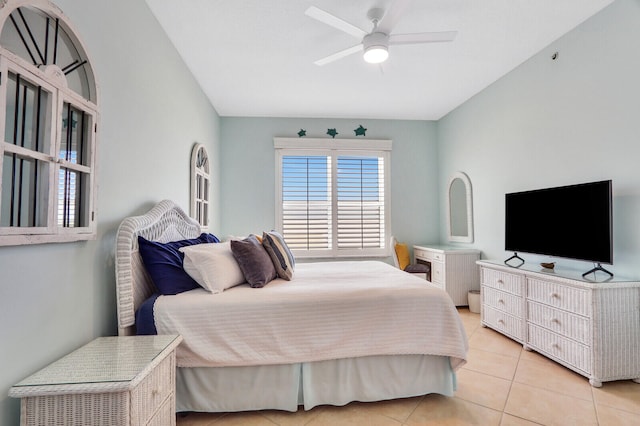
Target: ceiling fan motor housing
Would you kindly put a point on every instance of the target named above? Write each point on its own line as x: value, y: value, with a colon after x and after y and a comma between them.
x: 375, y: 39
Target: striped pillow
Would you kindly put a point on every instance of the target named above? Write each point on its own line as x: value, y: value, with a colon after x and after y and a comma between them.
x: 280, y: 254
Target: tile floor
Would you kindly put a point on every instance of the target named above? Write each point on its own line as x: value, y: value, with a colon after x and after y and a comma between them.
x: 500, y: 385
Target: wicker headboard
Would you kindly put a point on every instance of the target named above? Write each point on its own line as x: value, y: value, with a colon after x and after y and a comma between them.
x: 163, y: 223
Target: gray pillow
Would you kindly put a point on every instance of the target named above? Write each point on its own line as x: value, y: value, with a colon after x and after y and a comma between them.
x: 254, y: 261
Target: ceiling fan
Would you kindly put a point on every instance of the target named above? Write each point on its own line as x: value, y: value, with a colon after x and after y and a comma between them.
x: 376, y: 42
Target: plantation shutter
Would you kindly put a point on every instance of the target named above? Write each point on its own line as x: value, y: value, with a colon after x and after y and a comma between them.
x: 306, y: 202
x: 360, y: 210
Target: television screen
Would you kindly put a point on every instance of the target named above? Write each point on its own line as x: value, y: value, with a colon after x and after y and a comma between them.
x: 569, y: 221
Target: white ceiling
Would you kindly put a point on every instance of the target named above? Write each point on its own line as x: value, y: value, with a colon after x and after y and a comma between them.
x: 254, y: 58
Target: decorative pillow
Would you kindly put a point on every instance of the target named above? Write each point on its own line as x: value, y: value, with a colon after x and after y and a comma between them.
x: 212, y: 266
x: 163, y: 262
x: 280, y: 254
x: 402, y: 252
x: 254, y: 261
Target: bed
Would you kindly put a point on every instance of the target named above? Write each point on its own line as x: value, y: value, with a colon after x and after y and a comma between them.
x: 335, y: 333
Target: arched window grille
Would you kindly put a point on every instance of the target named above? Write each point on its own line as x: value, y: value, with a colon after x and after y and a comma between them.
x: 48, y: 151
x: 200, y: 185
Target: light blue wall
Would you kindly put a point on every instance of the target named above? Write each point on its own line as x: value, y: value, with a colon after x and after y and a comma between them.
x: 57, y: 297
x: 546, y: 123
x: 248, y: 170
x: 549, y: 123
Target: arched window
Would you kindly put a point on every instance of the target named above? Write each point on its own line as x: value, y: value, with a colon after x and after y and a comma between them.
x: 48, y: 151
x: 200, y: 185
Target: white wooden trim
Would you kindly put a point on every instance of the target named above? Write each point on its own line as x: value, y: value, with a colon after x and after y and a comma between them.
x: 341, y: 144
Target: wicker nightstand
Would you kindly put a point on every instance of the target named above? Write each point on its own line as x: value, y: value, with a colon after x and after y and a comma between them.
x: 127, y: 380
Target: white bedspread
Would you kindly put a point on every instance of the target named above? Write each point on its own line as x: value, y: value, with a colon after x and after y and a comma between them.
x: 328, y: 311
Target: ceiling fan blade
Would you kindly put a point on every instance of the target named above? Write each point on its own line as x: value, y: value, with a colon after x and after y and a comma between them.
x: 339, y: 55
x: 417, y: 38
x: 335, y: 22
x: 393, y: 15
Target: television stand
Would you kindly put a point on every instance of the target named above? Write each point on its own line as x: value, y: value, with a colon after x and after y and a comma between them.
x: 596, y: 268
x: 515, y: 256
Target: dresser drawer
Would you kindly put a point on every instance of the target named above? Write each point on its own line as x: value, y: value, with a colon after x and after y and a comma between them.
x: 437, y: 272
x: 504, y: 281
x: 562, y: 322
x: 503, y: 301
x: 153, y: 390
x: 560, y: 296
x: 504, y: 323
x: 569, y: 352
x: 422, y: 254
x: 428, y: 255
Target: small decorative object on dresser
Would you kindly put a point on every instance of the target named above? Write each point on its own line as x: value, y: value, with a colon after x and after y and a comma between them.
x: 548, y: 265
x: 127, y: 380
x: 591, y: 327
x: 453, y: 269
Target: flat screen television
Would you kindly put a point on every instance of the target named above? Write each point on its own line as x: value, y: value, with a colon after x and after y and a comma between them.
x: 573, y: 221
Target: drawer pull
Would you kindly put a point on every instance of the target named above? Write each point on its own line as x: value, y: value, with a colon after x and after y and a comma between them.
x: 500, y: 282
x: 555, y: 346
x: 501, y: 321
x: 501, y: 301
x: 555, y: 320
x: 554, y: 295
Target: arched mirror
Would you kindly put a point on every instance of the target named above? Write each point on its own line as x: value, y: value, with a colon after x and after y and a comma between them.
x: 460, y: 208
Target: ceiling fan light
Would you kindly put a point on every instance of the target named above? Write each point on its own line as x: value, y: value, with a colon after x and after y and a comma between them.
x: 376, y: 54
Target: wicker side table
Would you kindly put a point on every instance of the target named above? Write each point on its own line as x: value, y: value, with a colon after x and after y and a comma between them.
x: 128, y: 380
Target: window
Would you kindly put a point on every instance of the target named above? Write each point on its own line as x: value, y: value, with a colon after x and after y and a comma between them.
x: 332, y: 196
x: 48, y: 151
x: 200, y: 186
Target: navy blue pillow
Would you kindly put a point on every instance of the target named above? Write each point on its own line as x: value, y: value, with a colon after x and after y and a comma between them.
x: 163, y: 261
x: 145, y: 323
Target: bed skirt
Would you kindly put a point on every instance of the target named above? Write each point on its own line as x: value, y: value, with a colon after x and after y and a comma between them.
x: 336, y: 382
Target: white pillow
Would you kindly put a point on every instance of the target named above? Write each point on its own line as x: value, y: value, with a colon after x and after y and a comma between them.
x: 212, y: 266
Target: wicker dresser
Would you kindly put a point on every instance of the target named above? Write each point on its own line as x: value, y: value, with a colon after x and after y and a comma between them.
x: 111, y: 381
x: 590, y: 327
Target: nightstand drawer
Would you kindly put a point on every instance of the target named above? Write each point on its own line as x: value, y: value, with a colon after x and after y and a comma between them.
x: 153, y: 390
x: 566, y: 350
x: 503, y: 301
x: 503, y: 281
x: 560, y: 296
x: 165, y: 415
x: 564, y: 323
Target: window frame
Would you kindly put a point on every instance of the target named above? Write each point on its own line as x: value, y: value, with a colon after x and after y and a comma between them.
x: 52, y: 79
x: 335, y: 148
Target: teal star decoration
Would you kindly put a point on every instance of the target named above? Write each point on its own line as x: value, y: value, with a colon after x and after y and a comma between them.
x: 360, y: 131
x: 302, y: 133
x: 332, y: 132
